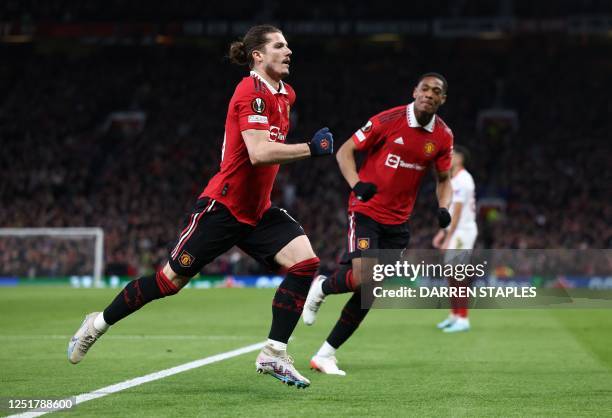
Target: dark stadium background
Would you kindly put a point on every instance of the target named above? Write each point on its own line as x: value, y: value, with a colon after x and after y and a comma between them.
x: 69, y: 71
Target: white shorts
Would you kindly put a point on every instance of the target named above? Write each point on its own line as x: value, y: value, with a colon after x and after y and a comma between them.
x: 463, y: 239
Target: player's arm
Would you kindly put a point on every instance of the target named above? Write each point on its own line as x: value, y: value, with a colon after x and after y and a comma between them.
x: 439, y: 238
x: 347, y: 163
x: 348, y: 167
x: 444, y: 192
x: 361, y: 140
x: 457, y: 208
x: 263, y: 151
x: 444, y: 188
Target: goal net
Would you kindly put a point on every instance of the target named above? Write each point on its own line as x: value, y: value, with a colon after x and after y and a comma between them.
x: 52, y: 253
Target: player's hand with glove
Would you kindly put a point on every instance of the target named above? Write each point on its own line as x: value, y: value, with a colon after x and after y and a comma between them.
x: 322, y: 143
x: 444, y: 217
x: 364, y: 191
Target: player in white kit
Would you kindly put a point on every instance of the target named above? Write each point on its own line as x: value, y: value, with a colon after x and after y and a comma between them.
x: 460, y: 234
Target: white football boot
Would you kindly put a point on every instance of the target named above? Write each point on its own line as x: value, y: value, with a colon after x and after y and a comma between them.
x: 278, y: 364
x: 84, y: 338
x: 313, y: 301
x: 450, y: 320
x: 460, y: 325
x: 327, y: 365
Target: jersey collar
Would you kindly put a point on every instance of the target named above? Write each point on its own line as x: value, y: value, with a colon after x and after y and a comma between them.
x: 414, y: 123
x: 282, y: 89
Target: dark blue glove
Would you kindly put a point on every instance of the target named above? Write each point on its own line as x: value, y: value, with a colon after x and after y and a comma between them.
x: 322, y: 143
x: 444, y: 218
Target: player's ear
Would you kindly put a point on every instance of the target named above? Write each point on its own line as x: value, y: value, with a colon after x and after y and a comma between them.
x: 414, y: 92
x: 257, y: 56
x: 443, y: 100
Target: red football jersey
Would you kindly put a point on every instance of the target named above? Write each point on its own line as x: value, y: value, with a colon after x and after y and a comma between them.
x: 242, y: 187
x: 399, y: 151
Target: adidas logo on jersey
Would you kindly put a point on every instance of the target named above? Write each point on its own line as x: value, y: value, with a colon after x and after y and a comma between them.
x: 399, y: 140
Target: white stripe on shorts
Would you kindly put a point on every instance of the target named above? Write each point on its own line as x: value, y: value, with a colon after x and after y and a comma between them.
x: 351, y: 234
x: 192, y: 225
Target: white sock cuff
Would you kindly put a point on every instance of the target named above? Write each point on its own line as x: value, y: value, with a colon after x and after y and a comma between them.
x: 326, y: 350
x: 277, y: 345
x: 100, y: 324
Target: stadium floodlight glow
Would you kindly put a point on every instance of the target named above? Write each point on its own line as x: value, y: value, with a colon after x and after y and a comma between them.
x: 95, y: 232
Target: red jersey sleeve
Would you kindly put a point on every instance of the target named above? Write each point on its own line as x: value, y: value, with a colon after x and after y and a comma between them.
x: 290, y: 94
x: 253, y: 110
x: 443, y: 159
x: 368, y: 135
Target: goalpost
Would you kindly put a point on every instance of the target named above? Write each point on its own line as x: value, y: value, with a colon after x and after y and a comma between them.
x: 62, y: 233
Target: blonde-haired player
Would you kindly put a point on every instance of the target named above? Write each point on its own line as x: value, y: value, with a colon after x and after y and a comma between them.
x: 461, y: 233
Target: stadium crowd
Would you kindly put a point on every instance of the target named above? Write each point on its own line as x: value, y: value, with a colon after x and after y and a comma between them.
x: 65, y: 163
x: 158, y: 10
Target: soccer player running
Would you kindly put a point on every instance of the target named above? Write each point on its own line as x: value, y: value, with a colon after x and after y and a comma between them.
x: 460, y: 234
x: 399, y: 145
x: 235, y: 208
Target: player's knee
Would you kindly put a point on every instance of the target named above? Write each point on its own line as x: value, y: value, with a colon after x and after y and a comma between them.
x: 309, y: 254
x: 356, y: 275
x: 177, y: 281
x: 305, y: 268
x: 296, y: 251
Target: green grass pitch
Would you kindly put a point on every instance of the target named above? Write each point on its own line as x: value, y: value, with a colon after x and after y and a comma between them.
x: 512, y: 363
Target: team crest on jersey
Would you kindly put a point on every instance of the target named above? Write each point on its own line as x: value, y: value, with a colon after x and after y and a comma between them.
x: 186, y: 259
x: 367, y: 127
x: 258, y: 105
x: 363, y: 243
x: 429, y: 148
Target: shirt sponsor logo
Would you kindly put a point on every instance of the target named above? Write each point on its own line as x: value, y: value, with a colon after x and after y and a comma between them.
x: 395, y: 161
x: 258, y: 119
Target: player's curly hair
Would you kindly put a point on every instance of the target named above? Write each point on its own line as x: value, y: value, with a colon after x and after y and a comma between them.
x: 241, y: 52
x: 438, y: 76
